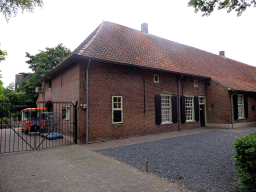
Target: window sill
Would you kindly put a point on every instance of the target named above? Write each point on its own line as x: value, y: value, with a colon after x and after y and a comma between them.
x: 166, y: 123
x: 241, y: 118
x: 190, y: 121
x: 116, y: 123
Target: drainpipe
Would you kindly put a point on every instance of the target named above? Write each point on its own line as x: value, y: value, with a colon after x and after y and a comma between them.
x: 179, y: 122
x: 87, y: 93
x: 232, y: 108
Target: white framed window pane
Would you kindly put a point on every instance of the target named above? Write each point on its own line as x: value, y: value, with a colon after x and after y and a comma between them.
x: 165, y: 108
x: 67, y: 112
x: 201, y: 100
x: 239, y: 100
x: 117, y: 109
x: 240, y: 111
x: 240, y: 103
x: 189, y: 108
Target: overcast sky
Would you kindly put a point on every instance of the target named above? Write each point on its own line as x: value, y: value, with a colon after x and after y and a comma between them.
x: 70, y: 22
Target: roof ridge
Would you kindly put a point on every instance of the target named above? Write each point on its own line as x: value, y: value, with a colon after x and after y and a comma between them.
x: 99, y: 28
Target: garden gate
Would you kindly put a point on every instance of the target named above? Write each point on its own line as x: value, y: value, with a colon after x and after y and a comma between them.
x: 28, y: 126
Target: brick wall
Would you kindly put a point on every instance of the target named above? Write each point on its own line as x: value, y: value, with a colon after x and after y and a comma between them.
x: 138, y: 89
x: 65, y: 86
x: 251, y: 114
x: 218, y: 103
x: 135, y: 85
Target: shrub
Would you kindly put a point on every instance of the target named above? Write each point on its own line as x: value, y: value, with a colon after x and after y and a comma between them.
x: 245, y: 160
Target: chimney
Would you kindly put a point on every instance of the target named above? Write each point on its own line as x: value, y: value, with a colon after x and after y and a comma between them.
x: 144, y: 27
x: 222, y: 53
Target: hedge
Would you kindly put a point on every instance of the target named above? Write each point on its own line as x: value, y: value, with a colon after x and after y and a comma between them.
x: 245, y: 160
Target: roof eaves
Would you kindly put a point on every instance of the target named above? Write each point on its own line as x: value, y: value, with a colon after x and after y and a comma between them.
x: 145, y: 67
x: 221, y: 83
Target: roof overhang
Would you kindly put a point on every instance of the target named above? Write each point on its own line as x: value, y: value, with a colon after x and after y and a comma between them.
x: 144, y: 67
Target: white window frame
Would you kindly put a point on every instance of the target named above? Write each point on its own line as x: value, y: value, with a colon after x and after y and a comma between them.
x: 165, y: 107
x: 203, y: 97
x: 156, y: 75
x: 67, y: 115
x: 117, y: 108
x: 242, y: 105
x: 195, y: 83
x: 192, y: 108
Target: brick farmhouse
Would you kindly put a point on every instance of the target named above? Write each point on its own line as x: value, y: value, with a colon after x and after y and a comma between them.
x: 128, y: 83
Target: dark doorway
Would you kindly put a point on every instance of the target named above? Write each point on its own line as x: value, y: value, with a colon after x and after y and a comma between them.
x: 202, y: 116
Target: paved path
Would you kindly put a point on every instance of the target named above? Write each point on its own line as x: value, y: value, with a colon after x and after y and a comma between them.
x: 79, y: 168
x: 74, y: 168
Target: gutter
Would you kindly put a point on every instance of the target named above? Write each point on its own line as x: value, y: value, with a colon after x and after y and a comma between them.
x: 87, y: 100
x: 179, y: 122
x: 232, y: 108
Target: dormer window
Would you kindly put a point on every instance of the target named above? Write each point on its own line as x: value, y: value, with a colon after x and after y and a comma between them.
x: 156, y: 78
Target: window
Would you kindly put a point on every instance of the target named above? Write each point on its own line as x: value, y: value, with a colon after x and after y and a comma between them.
x: 201, y: 100
x: 67, y: 114
x: 117, y: 109
x: 50, y: 83
x: 189, y: 103
x: 240, y: 106
x: 166, y: 108
x: 156, y: 78
x: 195, y: 83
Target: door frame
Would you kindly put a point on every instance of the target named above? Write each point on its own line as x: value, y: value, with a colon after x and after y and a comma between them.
x: 204, y: 104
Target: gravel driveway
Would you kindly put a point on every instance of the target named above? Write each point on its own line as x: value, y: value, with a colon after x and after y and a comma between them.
x: 200, y: 161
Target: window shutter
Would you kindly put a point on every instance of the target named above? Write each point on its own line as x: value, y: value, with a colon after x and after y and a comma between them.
x: 196, y: 105
x: 183, y: 108
x: 174, y: 109
x: 235, y: 107
x: 245, y: 106
x: 117, y: 116
x: 158, y: 109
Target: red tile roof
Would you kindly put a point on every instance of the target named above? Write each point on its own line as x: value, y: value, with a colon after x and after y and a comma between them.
x: 117, y: 43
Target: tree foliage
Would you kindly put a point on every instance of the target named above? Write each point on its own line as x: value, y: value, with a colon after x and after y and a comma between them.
x: 208, y: 6
x: 1, y: 88
x: 10, y: 8
x: 41, y: 64
x: 2, y: 54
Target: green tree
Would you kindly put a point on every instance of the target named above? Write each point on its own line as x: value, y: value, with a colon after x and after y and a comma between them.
x: 10, y: 8
x: 12, y: 95
x: 208, y: 6
x: 2, y: 96
x: 2, y: 54
x: 11, y: 86
x: 41, y: 64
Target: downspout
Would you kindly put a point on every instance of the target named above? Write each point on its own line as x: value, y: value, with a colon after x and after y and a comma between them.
x: 179, y: 122
x: 232, y: 108
x: 87, y: 104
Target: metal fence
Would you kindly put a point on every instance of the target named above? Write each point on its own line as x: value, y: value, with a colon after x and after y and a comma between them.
x: 28, y: 126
